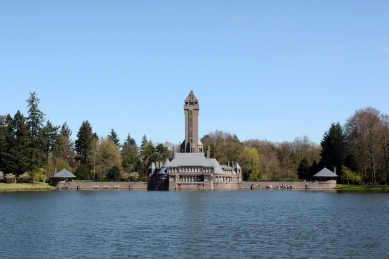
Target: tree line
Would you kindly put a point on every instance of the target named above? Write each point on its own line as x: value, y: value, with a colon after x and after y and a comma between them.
x: 33, y: 149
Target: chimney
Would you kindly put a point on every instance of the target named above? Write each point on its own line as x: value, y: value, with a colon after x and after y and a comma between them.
x: 334, y: 170
x: 208, y: 153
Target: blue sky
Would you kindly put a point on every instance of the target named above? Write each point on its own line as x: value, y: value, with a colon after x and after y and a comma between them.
x: 271, y: 70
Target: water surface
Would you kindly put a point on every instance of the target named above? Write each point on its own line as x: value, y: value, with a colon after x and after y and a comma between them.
x: 214, y: 224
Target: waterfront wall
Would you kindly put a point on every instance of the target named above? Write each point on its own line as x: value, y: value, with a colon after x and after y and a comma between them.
x: 102, y: 185
x: 317, y: 185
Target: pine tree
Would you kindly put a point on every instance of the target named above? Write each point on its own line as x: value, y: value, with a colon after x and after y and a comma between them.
x: 333, y: 145
x: 303, y: 169
x: 50, y: 134
x: 83, y: 144
x: 113, y: 136
x: 129, y: 141
x: 65, y: 131
x: 3, y: 142
x: 35, y: 122
x: 17, y: 156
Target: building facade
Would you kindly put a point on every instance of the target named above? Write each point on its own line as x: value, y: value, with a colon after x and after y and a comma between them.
x: 192, y: 168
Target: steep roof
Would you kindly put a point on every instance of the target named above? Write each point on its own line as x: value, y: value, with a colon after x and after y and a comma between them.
x: 191, y: 97
x: 64, y: 174
x: 325, y: 173
x: 152, y: 166
x: 237, y: 166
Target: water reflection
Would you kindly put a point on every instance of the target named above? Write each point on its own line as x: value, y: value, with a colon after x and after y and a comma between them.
x: 219, y: 224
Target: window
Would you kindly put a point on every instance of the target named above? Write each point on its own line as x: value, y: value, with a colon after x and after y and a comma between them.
x: 190, y: 112
x: 190, y: 122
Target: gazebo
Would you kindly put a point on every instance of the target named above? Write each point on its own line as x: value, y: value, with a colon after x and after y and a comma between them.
x: 63, y: 175
x: 325, y: 175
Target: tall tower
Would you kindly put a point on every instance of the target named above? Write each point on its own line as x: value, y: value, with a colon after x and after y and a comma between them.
x: 191, y: 111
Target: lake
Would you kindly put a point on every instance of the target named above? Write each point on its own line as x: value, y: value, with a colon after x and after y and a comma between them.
x: 203, y: 224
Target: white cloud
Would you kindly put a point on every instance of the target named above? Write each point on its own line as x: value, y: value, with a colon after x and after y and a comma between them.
x: 237, y: 19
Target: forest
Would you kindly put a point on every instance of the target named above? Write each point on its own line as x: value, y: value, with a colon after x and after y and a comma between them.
x: 33, y: 149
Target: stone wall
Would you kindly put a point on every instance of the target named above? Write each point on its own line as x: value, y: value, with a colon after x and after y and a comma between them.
x: 317, y: 185
x: 102, y: 185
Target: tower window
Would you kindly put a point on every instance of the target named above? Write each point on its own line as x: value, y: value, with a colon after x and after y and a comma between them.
x: 190, y: 112
x: 190, y: 122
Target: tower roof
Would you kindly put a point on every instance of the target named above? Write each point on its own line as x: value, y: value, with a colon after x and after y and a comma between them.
x: 191, y: 98
x: 237, y: 166
x: 152, y: 166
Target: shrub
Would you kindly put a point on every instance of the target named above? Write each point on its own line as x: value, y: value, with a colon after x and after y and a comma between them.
x: 37, y: 175
x: 10, y: 178
x: 24, y: 178
x: 82, y: 173
x: 114, y: 174
x: 125, y: 176
x: 1, y: 176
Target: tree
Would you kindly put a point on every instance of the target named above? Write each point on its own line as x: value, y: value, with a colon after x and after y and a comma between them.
x: 65, y: 130
x: 84, y: 142
x: 114, y: 174
x: 50, y: 134
x: 130, y: 156
x: 113, y: 136
x: 16, y: 159
x: 107, y: 156
x: 349, y: 175
x: 82, y: 173
x: 35, y: 122
x: 333, y: 145
x: 129, y: 141
x: 362, y: 133
x: 162, y: 152
x: 303, y: 169
x: 3, y: 141
x: 249, y: 161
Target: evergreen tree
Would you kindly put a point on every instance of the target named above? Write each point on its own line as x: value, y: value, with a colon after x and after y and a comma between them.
x: 130, y: 156
x: 333, y: 145
x: 17, y: 157
x: 65, y: 131
x: 303, y: 169
x: 114, y: 174
x: 162, y: 152
x: 3, y: 142
x: 50, y: 134
x: 129, y: 141
x: 35, y: 122
x: 113, y: 136
x: 83, y: 144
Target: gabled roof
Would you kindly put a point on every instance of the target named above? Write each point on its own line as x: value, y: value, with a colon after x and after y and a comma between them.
x: 237, y: 166
x: 64, y: 174
x: 152, y: 166
x: 325, y: 173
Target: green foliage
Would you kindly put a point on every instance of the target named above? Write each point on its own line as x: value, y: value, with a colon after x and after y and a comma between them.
x: 65, y: 130
x: 63, y: 164
x: 303, y: 169
x: 16, y: 158
x: 350, y: 176
x: 83, y: 144
x: 249, y: 161
x: 35, y: 122
x: 114, y: 174
x: 129, y: 141
x: 38, y: 175
x: 113, y: 136
x: 82, y: 173
x: 333, y: 145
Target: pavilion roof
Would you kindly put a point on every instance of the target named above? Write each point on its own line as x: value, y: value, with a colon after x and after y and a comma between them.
x: 325, y: 173
x: 64, y: 174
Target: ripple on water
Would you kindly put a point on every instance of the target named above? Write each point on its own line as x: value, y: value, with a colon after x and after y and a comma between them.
x: 219, y: 224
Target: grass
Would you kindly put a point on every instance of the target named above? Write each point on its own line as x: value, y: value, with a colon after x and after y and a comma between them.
x: 364, y: 188
x: 36, y: 186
